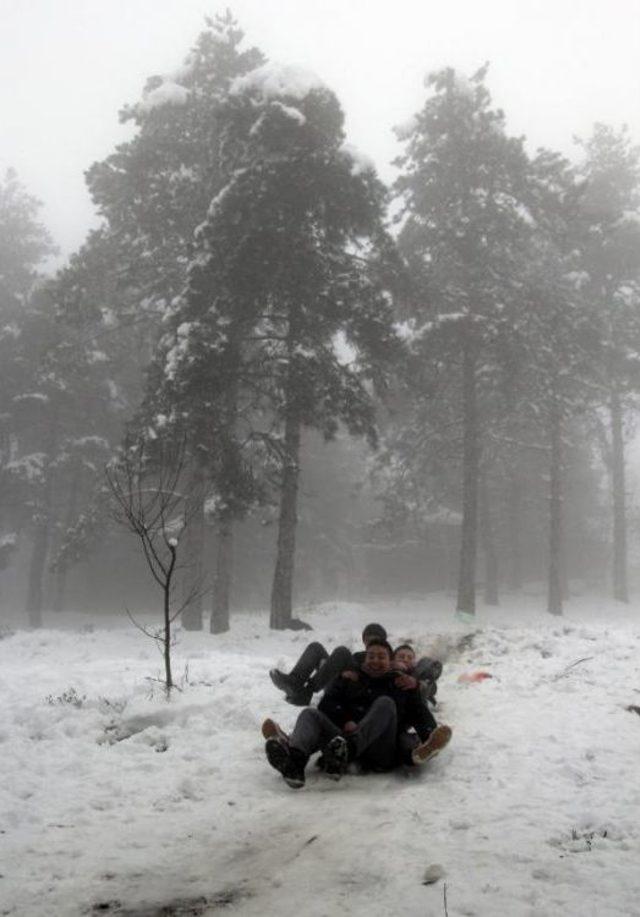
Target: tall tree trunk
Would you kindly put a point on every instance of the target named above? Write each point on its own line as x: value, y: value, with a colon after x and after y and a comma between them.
x: 466, y: 603
x: 620, y: 587
x: 192, y: 574
x: 223, y: 575
x: 41, y: 539
x: 220, y: 608
x: 489, y: 546
x: 60, y: 575
x: 514, y: 528
x: 282, y: 589
x: 555, y: 591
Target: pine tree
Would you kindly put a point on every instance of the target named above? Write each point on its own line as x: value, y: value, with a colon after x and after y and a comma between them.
x: 154, y: 191
x: 557, y: 331
x: 24, y: 245
x: 464, y: 228
x: 610, y: 266
x: 291, y: 254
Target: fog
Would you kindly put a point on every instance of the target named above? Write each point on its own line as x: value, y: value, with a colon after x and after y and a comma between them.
x: 68, y: 66
x: 522, y: 478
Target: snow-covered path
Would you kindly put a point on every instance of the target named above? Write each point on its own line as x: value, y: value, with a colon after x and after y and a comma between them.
x: 534, y: 809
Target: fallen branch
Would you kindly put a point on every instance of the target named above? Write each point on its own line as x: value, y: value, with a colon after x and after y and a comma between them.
x: 566, y: 671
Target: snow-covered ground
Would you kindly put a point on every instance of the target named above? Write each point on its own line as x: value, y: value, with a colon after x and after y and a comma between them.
x: 115, y: 801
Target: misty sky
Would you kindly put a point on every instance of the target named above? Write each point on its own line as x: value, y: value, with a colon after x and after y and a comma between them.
x: 67, y: 66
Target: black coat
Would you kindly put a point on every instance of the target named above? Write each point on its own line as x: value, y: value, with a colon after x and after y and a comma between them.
x: 346, y: 700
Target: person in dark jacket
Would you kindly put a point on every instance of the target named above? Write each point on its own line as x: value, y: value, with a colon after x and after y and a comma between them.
x: 316, y: 668
x: 423, y: 673
x: 361, y: 719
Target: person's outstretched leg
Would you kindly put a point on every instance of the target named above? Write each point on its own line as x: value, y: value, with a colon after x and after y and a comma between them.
x: 339, y: 660
x: 295, y: 684
x: 374, y: 741
x: 311, y: 659
x: 313, y: 730
x: 433, y: 745
x: 289, y: 756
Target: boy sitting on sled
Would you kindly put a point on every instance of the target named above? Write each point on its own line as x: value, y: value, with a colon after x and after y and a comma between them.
x: 363, y: 719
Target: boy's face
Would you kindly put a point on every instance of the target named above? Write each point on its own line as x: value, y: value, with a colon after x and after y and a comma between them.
x: 377, y: 660
x: 405, y: 657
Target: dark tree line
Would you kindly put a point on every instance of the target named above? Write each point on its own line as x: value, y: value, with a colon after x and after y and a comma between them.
x: 248, y: 286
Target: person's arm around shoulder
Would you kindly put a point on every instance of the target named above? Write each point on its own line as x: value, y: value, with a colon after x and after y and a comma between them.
x: 406, y: 682
x: 335, y: 700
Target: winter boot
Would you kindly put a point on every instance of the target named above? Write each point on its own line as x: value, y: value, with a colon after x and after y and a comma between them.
x: 288, y: 761
x: 428, y: 749
x: 295, y: 691
x: 284, y: 682
x: 271, y: 729
x: 300, y: 698
x: 336, y: 757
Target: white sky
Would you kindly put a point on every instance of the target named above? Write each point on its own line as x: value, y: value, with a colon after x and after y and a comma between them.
x: 67, y: 66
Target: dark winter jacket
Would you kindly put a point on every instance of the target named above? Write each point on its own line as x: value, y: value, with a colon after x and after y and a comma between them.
x: 346, y: 700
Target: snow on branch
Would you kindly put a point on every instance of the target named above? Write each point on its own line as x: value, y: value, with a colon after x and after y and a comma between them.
x: 273, y: 80
x: 167, y: 93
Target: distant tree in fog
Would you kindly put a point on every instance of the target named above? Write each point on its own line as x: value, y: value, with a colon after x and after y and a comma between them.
x: 292, y: 252
x: 153, y: 191
x: 610, y: 265
x: 560, y: 348
x: 24, y: 245
x: 463, y: 233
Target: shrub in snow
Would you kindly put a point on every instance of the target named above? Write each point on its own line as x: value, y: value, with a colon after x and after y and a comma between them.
x: 69, y: 698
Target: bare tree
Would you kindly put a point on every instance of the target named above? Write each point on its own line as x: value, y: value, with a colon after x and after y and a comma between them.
x: 145, y: 482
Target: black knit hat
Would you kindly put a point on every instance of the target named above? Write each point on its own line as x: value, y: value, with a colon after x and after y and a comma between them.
x: 374, y: 630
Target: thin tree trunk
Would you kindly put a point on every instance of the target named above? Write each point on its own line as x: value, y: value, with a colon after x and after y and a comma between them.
x: 36, y: 573
x: 282, y: 589
x: 514, y: 526
x: 168, y: 678
x: 554, y: 605
x: 466, y: 603
x: 60, y: 575
x: 489, y: 546
x: 620, y: 587
x: 192, y: 576
x: 220, y: 609
x: 41, y: 538
x: 223, y: 575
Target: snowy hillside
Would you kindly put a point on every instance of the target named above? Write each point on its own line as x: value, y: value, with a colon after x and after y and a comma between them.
x: 117, y: 802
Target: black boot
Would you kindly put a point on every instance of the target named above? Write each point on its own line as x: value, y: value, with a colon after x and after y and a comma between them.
x: 336, y: 757
x: 290, y: 762
x: 295, y: 691
x: 284, y: 682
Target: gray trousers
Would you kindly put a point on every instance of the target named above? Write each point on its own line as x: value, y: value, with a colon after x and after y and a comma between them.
x: 316, y: 668
x: 373, y: 742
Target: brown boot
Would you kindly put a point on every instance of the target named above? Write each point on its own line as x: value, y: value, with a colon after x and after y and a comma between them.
x: 428, y: 749
x: 271, y: 730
